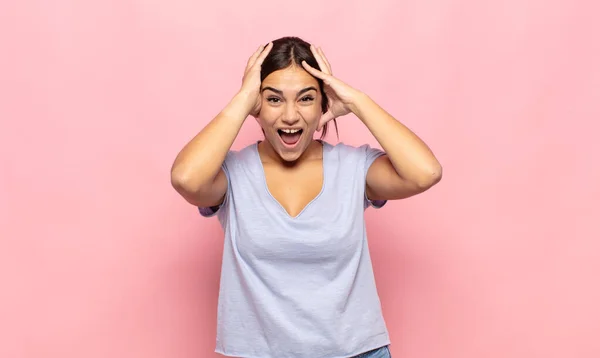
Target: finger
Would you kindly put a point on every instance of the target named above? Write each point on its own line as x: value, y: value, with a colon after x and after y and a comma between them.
x: 263, y: 54
x: 313, y: 71
x: 326, y: 117
x: 254, y: 56
x: 317, y: 55
x: 325, y: 60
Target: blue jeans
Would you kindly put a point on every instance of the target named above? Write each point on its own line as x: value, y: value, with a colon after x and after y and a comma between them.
x: 382, y: 352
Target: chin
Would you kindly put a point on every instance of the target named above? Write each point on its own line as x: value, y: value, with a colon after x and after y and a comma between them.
x: 287, y: 152
x: 289, y: 157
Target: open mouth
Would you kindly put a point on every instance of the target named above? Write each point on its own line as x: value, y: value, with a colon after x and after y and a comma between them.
x: 290, y: 137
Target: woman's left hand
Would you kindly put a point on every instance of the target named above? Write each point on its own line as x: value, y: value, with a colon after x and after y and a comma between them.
x: 341, y: 96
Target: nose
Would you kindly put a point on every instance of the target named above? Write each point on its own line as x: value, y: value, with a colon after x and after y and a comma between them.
x: 291, y: 115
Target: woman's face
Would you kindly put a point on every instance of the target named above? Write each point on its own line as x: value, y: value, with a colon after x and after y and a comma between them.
x: 290, y: 111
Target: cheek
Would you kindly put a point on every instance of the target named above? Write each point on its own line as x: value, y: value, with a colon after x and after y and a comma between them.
x: 268, y: 115
x: 311, y: 114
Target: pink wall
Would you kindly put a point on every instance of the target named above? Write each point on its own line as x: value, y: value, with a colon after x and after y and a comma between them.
x: 99, y: 257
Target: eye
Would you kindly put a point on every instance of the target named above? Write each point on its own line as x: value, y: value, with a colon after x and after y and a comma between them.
x: 273, y: 99
x: 307, y: 99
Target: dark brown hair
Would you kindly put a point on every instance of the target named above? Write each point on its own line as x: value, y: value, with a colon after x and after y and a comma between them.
x: 289, y: 50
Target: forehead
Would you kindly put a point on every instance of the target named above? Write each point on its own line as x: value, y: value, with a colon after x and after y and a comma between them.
x: 290, y: 79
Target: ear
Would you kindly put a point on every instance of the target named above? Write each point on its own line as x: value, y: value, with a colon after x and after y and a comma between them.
x: 256, y: 112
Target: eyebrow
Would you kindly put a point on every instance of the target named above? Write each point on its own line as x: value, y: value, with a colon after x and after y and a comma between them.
x: 280, y: 92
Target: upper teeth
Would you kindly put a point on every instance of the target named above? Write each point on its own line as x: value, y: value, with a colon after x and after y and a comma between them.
x: 290, y: 130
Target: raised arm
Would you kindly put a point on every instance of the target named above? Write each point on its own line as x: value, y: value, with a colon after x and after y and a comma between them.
x: 409, y: 167
x: 196, y: 173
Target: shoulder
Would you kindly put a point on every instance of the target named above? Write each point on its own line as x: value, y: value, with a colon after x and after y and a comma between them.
x: 341, y: 148
x: 351, y: 152
x: 240, y: 157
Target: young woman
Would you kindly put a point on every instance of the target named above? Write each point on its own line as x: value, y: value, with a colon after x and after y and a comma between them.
x: 297, y: 278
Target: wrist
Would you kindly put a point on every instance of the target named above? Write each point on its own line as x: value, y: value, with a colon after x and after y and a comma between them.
x: 239, y: 106
x: 358, y: 102
x: 244, y: 99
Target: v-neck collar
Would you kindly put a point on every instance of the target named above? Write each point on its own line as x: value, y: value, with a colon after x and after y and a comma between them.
x: 263, y: 177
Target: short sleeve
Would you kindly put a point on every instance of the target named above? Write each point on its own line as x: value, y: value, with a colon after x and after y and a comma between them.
x: 370, y: 154
x: 213, y: 210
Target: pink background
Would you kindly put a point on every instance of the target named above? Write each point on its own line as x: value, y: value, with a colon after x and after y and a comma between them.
x: 99, y: 257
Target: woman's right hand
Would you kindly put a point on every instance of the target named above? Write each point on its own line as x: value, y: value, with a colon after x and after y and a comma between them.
x: 251, y: 80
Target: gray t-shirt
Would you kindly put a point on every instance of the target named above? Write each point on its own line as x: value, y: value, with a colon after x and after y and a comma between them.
x: 298, y: 287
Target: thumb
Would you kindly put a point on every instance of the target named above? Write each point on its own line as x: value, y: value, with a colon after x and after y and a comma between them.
x: 326, y: 117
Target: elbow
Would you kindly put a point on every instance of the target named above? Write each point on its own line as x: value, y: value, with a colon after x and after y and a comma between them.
x: 430, y: 177
x: 182, y: 182
x: 178, y: 177
x: 186, y: 188
x: 188, y: 185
